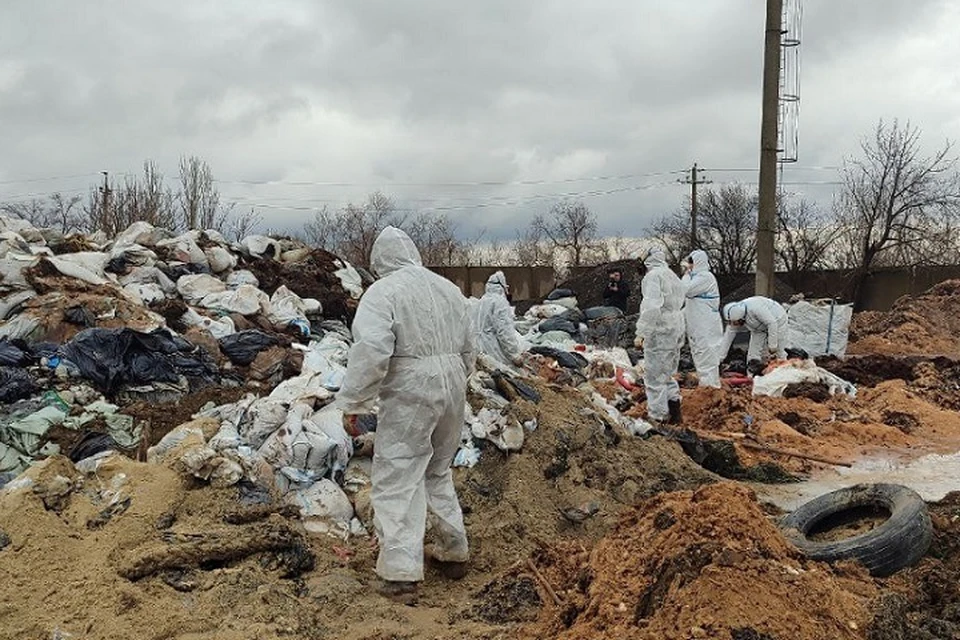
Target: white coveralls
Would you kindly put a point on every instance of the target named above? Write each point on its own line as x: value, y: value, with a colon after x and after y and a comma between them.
x: 496, y: 333
x: 702, y: 313
x: 767, y: 321
x: 413, y: 349
x: 661, y: 326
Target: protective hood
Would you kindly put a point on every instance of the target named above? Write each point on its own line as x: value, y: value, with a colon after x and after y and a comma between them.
x: 393, y: 250
x: 497, y: 283
x: 655, y: 258
x: 700, y: 261
x: 734, y: 312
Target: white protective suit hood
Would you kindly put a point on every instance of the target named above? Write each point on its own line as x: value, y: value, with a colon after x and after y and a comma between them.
x: 655, y: 258
x: 393, y: 250
x: 700, y: 260
x: 497, y: 283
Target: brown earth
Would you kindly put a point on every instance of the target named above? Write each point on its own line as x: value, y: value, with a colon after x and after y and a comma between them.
x: 590, y: 286
x: 702, y: 564
x: 160, y: 419
x: 927, y: 324
x: 310, y: 278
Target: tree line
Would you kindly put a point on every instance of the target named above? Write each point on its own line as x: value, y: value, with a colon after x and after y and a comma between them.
x: 896, y: 207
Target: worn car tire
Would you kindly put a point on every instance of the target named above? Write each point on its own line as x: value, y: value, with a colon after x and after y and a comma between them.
x: 898, y: 542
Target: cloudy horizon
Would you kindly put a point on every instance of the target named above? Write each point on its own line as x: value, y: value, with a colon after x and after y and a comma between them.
x: 485, y: 112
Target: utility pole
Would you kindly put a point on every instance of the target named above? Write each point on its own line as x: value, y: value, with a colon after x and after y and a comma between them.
x: 693, y: 181
x: 767, y: 214
x: 105, y: 192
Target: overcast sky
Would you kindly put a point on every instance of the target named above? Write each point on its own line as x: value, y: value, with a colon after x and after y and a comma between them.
x: 424, y: 99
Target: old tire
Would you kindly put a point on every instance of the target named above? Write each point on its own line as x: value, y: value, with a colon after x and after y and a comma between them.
x: 898, y: 542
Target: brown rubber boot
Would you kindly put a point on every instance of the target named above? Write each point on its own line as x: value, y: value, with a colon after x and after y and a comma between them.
x: 400, y: 592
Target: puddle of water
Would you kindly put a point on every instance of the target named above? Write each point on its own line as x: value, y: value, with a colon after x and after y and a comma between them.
x: 932, y: 476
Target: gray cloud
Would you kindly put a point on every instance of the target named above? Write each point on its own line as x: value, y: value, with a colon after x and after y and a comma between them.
x: 381, y: 94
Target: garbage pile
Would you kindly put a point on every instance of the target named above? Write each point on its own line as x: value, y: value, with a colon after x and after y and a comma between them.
x: 90, y: 326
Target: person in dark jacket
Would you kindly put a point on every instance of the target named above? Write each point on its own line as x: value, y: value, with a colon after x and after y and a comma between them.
x: 617, y: 291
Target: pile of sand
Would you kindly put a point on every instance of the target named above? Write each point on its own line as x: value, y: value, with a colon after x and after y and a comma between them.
x: 928, y: 324
x: 703, y: 564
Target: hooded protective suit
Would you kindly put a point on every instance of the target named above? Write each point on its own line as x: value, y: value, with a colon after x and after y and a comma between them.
x: 413, y: 349
x: 661, y: 326
x: 496, y: 334
x: 702, y: 313
x: 767, y: 321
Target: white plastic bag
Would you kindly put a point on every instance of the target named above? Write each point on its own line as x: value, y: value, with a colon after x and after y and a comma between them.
x: 350, y: 280
x: 775, y: 383
x: 246, y: 300
x: 287, y: 308
x: 185, y: 249
x: 324, y: 508
x: 85, y: 265
x: 329, y: 421
x: 218, y: 328
x: 263, y: 418
x: 305, y: 387
x: 220, y: 259
x: 240, y: 277
x: 261, y: 246
x: 277, y: 450
x: 195, y: 287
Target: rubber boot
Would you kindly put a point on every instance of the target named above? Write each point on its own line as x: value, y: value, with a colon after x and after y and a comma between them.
x: 400, y: 592
x: 674, y: 408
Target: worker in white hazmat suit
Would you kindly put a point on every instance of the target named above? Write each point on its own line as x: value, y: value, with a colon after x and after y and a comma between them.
x: 702, y: 313
x: 767, y: 321
x: 494, y: 323
x: 659, y: 333
x: 412, y: 352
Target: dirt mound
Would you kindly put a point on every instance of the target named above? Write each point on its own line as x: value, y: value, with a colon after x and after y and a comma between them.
x: 590, y: 286
x: 574, y: 458
x: 310, y: 278
x: 924, y: 601
x: 703, y: 564
x: 925, y: 324
x: 782, y: 292
x: 159, y: 419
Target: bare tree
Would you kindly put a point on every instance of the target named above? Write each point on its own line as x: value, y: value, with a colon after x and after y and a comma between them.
x: 244, y: 224
x: 436, y: 239
x: 532, y: 249
x: 144, y: 198
x: 726, y: 230
x: 199, y: 197
x: 571, y: 228
x: 350, y: 232
x: 897, y: 206
x: 56, y: 212
x: 805, y: 235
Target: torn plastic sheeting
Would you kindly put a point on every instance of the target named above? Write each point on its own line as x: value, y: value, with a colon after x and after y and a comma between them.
x: 566, y: 303
x: 13, y: 302
x: 87, y: 266
x: 504, y: 432
x: 12, y: 273
x: 133, y: 255
x: 111, y: 358
x: 329, y: 421
x: 21, y: 327
x: 246, y: 300
x: 185, y: 249
x: 142, y: 233
x: 122, y: 428
x: 220, y: 259
x: 12, y: 243
x: 277, y: 449
x: 26, y: 433
x: 544, y: 311
x: 558, y: 323
x: 286, y: 308
x: 242, y: 347
x: 15, y: 384
x: 309, y: 386
x: 241, y: 277
x: 820, y: 327
x: 350, y: 279
x: 262, y: 419
x: 12, y: 461
x: 318, y: 360
x: 218, y: 328
x: 195, y: 287
x: 147, y: 294
x: 149, y: 275
x: 261, y: 246
x: 12, y: 355
x: 775, y: 383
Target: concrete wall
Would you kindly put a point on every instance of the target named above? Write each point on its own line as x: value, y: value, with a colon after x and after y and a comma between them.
x: 881, y: 290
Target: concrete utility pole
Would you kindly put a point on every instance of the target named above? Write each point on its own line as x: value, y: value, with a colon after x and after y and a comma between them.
x: 767, y: 214
x: 693, y: 181
x: 105, y: 195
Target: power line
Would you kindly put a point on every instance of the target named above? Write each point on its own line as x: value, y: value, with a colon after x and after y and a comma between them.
x: 48, y: 179
x: 790, y: 167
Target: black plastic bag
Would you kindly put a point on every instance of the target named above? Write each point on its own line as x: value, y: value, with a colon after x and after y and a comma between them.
x: 92, y: 443
x: 242, y: 347
x: 118, y: 265
x: 111, y: 358
x: 596, y: 313
x: 80, y: 316
x: 558, y: 294
x: 558, y: 324
x: 15, y: 384
x: 11, y: 354
x: 565, y: 359
x: 39, y: 350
